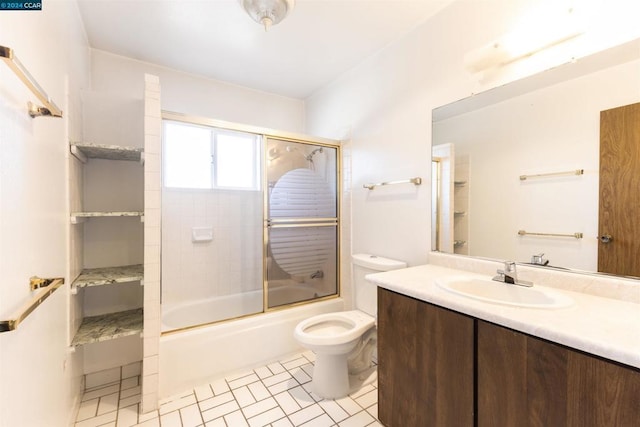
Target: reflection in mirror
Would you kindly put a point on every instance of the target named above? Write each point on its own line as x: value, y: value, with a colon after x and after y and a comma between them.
x: 546, y: 127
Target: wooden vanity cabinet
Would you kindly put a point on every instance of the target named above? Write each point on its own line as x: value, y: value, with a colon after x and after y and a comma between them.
x: 425, y: 364
x: 437, y: 367
x: 526, y: 381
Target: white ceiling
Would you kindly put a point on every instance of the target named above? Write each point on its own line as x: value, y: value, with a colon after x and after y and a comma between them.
x: 318, y: 41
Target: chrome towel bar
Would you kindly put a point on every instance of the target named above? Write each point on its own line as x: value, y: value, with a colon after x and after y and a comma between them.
x: 527, y: 233
x: 416, y: 181
x: 543, y: 175
x: 50, y: 108
x: 33, y: 303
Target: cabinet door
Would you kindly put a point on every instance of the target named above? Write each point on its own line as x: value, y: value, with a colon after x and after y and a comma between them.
x: 527, y: 381
x: 425, y: 364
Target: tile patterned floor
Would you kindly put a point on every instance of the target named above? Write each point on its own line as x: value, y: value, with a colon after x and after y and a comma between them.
x: 275, y: 395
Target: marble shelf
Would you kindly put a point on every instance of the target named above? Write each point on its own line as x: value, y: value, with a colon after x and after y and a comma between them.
x: 108, y: 327
x: 108, y: 275
x: 86, y: 150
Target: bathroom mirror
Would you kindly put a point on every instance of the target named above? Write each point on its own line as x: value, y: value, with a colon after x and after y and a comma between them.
x: 516, y: 168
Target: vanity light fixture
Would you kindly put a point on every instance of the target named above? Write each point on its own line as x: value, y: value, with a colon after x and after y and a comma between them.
x: 267, y: 12
x: 526, y: 41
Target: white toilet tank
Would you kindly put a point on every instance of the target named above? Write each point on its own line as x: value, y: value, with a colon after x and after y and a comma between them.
x: 366, y: 296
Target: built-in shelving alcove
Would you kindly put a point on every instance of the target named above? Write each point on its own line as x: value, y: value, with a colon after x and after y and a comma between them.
x: 112, y: 325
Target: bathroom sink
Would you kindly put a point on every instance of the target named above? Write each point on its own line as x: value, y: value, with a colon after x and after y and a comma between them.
x: 502, y: 293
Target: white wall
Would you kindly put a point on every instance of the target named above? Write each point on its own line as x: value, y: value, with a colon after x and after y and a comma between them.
x: 39, y: 379
x: 197, y: 96
x: 384, y: 107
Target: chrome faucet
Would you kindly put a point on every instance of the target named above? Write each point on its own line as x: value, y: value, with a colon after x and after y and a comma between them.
x: 510, y: 272
x: 538, y: 259
x: 510, y: 275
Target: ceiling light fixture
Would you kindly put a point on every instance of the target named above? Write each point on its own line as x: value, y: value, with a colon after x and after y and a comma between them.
x: 267, y: 12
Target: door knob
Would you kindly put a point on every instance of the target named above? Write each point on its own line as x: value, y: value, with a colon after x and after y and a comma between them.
x: 605, y: 238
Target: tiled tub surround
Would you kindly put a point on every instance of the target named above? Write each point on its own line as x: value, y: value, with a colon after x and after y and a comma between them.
x: 277, y: 395
x: 605, y: 327
x: 230, y: 263
x: 152, y: 241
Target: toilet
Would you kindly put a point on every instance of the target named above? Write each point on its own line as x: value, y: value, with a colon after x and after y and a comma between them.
x: 344, y: 341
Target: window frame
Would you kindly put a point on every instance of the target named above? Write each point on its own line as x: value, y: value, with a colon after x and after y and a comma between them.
x: 256, y: 164
x: 214, y: 132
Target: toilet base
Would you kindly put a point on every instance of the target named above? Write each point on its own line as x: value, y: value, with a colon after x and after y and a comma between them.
x: 368, y: 376
x: 330, y: 376
x: 331, y: 379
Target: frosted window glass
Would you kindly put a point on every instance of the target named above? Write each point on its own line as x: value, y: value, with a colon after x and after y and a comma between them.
x: 187, y: 153
x: 202, y: 157
x: 236, y: 161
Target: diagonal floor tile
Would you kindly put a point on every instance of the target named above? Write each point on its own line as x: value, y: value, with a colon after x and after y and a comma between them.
x: 276, y: 395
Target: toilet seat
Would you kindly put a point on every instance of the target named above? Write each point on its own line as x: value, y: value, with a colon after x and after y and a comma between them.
x: 333, y: 328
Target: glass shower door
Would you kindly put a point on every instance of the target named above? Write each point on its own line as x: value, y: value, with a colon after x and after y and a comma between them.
x: 302, y: 222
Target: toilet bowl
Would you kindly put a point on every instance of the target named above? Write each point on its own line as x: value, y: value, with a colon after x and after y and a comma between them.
x: 336, y: 333
x: 344, y: 342
x: 333, y: 337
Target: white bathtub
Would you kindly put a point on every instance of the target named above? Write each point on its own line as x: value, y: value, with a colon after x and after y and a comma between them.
x: 201, y: 312
x: 193, y: 357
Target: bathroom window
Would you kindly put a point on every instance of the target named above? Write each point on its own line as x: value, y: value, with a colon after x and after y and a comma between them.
x: 210, y: 158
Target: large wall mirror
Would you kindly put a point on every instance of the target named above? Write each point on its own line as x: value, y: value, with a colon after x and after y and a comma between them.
x: 516, y: 170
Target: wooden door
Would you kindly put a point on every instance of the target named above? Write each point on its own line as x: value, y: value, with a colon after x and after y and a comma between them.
x: 425, y: 364
x: 619, y: 211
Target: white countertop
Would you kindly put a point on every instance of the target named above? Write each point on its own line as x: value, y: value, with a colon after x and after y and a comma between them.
x: 602, y: 326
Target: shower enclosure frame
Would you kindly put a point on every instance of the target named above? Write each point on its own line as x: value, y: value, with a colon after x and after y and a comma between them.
x: 265, y: 134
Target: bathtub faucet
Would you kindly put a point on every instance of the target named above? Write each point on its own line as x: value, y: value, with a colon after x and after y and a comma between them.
x: 317, y: 275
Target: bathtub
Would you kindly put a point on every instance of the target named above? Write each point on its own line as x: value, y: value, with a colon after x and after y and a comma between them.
x: 196, y: 356
x: 201, y: 312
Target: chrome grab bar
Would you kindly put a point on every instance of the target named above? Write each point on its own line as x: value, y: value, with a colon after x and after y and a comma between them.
x: 49, y: 286
x: 416, y: 181
x: 50, y: 108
